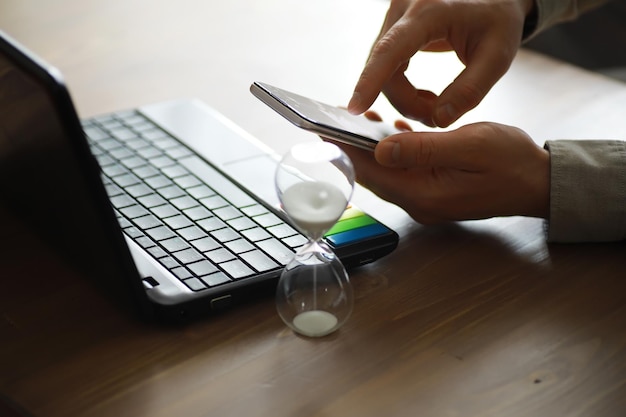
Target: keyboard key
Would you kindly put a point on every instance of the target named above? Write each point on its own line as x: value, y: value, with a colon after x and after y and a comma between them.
x: 294, y: 241
x: 195, y: 284
x: 145, y: 242
x: 145, y: 171
x: 121, y: 153
x: 212, y: 223
x: 254, y: 210
x: 175, y: 171
x: 154, y: 134
x: 169, y: 262
x: 237, y: 269
x: 132, y: 119
x: 178, y: 222
x: 256, y: 234
x: 174, y: 244
x: 134, y: 211
x: 141, y: 126
x: 188, y: 256
x: 241, y: 223
x: 171, y: 192
x: 165, y: 142
x: 122, y: 201
x: 259, y: 261
x: 215, y: 279
x: 213, y: 202
x: 124, y: 223
x: 157, y: 252
x: 200, y: 191
x: 202, y: 268
x: 133, y: 162
x: 126, y: 180
x: 110, y: 123
x: 152, y: 200
x: 197, y: 213
x: 162, y: 161
x: 239, y: 246
x: 149, y: 152
x: 160, y: 233
x: 109, y: 144
x: 205, y: 244
x: 184, y: 202
x: 191, y: 233
x: 137, y: 144
x: 177, y: 151
x: 105, y: 160
x: 114, y: 170
x: 147, y: 222
x: 268, y: 219
x: 158, y: 181
x: 220, y: 255
x: 123, y: 133
x: 95, y: 133
x: 225, y: 235
x: 133, y: 232
x: 113, y: 190
x: 187, y: 181
x: 282, y: 230
x: 164, y: 211
x: 182, y: 273
x: 227, y: 213
x: 277, y: 250
x: 139, y: 190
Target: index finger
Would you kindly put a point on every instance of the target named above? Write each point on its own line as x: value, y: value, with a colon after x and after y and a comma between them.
x: 389, y: 53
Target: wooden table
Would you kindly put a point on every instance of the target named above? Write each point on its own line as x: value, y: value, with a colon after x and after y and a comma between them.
x: 480, y: 318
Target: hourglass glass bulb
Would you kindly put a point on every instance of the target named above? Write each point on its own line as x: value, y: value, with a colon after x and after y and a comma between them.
x: 314, y: 182
x: 314, y: 206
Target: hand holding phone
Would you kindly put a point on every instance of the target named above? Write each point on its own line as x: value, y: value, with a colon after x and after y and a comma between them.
x: 323, y: 119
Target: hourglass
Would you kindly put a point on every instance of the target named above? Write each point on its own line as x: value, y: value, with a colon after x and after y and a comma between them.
x: 314, y: 182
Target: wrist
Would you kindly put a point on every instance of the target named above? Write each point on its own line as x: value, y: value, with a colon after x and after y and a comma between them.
x: 541, y: 186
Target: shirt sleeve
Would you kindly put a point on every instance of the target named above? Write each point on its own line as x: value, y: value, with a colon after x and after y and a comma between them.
x: 587, y: 190
x: 548, y: 13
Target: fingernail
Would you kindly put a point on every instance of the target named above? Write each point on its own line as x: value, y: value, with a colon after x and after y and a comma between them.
x: 395, y: 153
x: 355, y: 102
x: 447, y: 113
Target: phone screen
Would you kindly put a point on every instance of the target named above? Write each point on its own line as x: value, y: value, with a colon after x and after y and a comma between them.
x: 325, y: 120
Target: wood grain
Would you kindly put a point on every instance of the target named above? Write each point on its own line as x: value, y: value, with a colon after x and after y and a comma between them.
x: 477, y: 318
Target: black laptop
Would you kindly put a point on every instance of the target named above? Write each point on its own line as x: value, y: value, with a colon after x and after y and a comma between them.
x: 169, y: 208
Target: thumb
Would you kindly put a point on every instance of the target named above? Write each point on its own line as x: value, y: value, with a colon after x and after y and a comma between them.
x: 425, y: 150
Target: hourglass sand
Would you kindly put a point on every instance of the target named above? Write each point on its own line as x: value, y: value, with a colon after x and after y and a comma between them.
x: 314, y: 182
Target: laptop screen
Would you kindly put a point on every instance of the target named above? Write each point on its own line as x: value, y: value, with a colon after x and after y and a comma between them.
x: 49, y: 179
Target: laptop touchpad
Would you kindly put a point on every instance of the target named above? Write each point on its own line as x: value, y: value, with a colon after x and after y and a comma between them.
x: 256, y: 175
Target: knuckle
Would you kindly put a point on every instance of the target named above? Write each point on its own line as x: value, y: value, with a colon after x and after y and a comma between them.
x: 423, y: 151
x: 470, y: 94
x: 386, y: 44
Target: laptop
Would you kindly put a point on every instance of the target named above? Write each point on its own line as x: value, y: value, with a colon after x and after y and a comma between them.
x: 169, y: 208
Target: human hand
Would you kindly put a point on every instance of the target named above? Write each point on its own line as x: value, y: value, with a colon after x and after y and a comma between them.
x: 477, y: 171
x: 484, y: 34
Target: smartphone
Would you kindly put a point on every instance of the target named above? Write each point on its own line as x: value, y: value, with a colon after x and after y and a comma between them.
x: 323, y: 119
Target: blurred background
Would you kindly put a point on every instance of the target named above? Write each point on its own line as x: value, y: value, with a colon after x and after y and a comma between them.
x: 596, y: 41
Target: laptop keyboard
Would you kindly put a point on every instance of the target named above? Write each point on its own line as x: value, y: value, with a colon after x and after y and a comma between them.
x: 205, y: 235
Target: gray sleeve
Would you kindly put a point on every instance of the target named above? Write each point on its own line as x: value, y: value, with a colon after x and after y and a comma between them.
x: 550, y: 12
x: 587, y: 190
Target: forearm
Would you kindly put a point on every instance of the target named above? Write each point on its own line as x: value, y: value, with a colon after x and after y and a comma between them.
x: 587, y: 191
x: 548, y: 13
